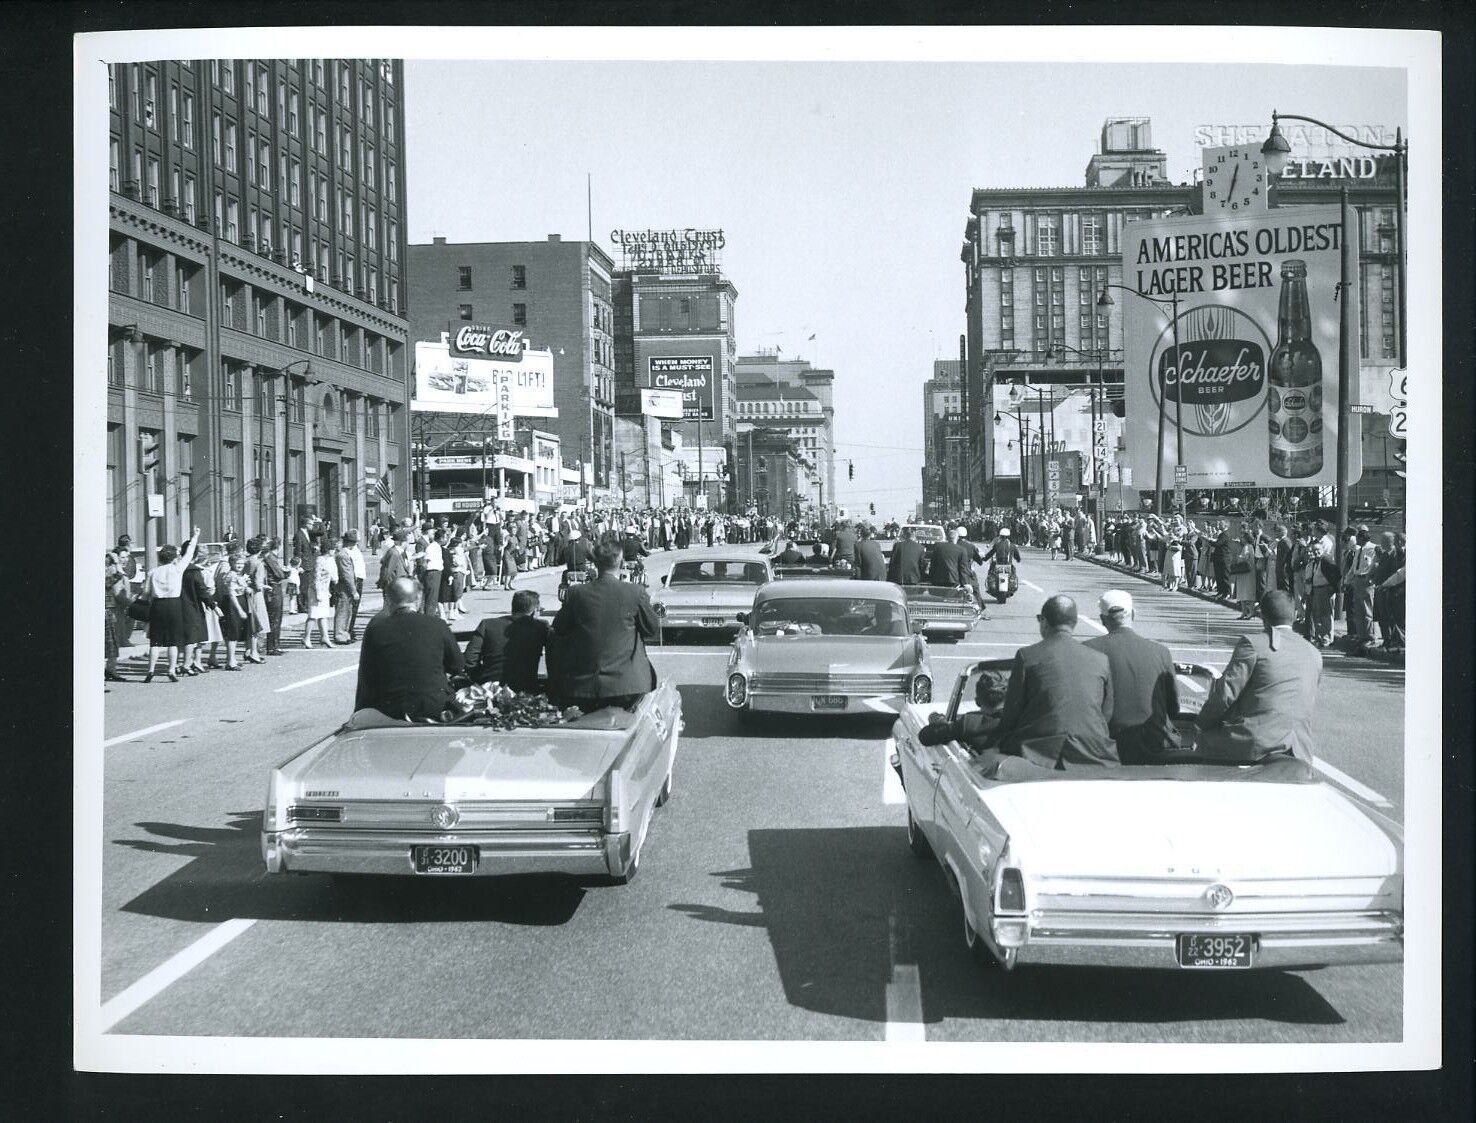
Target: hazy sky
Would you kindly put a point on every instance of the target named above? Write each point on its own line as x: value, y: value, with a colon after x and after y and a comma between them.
x: 843, y: 187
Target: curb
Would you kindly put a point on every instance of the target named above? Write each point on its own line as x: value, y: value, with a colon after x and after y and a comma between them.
x: 1372, y: 654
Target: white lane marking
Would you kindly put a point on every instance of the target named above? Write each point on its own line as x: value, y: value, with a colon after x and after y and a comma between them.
x: 137, y: 733
x: 1031, y: 585
x: 892, y: 791
x: 317, y: 678
x: 170, y: 971
x: 1342, y: 779
x: 904, y: 991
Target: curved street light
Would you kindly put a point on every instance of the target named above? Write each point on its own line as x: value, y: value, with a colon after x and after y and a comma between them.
x: 1105, y: 301
x: 1277, y: 148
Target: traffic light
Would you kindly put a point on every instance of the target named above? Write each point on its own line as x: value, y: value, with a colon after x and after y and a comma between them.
x: 850, y: 469
x: 873, y: 508
x: 148, y: 451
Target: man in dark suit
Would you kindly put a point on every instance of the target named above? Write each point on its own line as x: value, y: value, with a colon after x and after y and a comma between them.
x: 1059, y: 701
x: 599, y: 638
x: 844, y: 547
x: 507, y: 649
x: 1145, y: 690
x: 906, y: 566
x: 405, y: 657
x: 948, y: 562
x: 276, y: 594
x: 870, y: 565
x: 393, y: 565
x: 1263, y: 704
x: 790, y: 555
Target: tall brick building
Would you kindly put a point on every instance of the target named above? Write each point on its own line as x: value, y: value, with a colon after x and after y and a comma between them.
x: 556, y: 292
x: 257, y: 361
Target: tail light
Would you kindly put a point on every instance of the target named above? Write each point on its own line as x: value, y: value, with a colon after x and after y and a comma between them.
x: 301, y: 813
x: 615, y: 820
x: 1010, y: 896
x: 737, y: 691
x: 922, y: 689
x: 591, y: 813
x: 660, y: 608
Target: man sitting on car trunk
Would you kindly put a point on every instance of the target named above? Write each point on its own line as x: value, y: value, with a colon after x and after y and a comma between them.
x: 601, y: 632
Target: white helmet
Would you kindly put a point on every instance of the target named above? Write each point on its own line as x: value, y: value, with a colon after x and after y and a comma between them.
x: 1004, y: 532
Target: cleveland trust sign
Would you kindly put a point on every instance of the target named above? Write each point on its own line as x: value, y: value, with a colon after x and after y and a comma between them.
x: 670, y: 251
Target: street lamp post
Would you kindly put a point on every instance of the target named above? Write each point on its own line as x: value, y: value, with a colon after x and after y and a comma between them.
x: 1024, y: 429
x: 1275, y: 151
x: 1105, y: 301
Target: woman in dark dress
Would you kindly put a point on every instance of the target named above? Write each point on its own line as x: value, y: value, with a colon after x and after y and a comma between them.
x: 231, y: 587
x: 197, y: 599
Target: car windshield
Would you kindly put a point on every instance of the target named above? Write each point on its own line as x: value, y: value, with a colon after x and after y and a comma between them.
x: 718, y: 572
x: 830, y: 616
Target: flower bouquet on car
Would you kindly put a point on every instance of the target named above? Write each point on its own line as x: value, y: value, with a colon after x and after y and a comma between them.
x: 499, y: 706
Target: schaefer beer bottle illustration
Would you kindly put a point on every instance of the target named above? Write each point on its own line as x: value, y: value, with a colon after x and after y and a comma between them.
x: 1295, y: 381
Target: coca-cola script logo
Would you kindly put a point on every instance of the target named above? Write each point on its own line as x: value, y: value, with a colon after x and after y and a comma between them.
x: 1219, y: 373
x: 491, y: 343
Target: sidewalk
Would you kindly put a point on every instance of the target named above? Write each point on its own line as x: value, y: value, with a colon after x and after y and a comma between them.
x: 1395, y: 659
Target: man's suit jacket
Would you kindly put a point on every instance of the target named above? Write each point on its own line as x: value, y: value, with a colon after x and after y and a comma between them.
x: 577, y: 554
x: 845, y: 545
x: 1264, y: 702
x: 601, y: 631
x: 507, y: 649
x: 1058, y: 705
x: 1283, y: 577
x: 1145, y: 694
x: 871, y: 565
x: 948, y: 565
x: 394, y: 565
x: 347, y: 587
x: 404, y: 659
x: 906, y: 566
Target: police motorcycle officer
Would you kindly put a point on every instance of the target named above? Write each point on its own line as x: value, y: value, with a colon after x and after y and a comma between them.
x: 1003, y: 580
x: 632, y: 568
x: 578, y: 562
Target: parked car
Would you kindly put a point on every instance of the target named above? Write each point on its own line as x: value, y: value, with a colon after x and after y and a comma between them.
x: 380, y: 796
x: 1184, y: 865
x: 710, y: 594
x: 828, y: 646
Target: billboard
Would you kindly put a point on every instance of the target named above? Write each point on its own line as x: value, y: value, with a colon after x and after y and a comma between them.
x: 692, y: 375
x: 1257, y: 362
x: 662, y: 403
x: 454, y: 383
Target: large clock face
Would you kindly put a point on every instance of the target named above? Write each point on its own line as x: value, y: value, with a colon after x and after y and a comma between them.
x: 1234, y: 180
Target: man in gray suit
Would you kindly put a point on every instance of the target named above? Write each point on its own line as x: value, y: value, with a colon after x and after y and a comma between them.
x: 870, y: 564
x: 906, y: 565
x: 1145, y: 690
x: 1059, y: 700
x: 600, y: 639
x: 1263, y: 704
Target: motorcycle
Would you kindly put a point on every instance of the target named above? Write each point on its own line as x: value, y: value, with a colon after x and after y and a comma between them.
x: 575, y: 577
x: 633, y: 571
x: 1002, y: 582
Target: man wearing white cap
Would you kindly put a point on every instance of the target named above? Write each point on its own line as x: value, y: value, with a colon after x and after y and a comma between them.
x: 1145, y: 691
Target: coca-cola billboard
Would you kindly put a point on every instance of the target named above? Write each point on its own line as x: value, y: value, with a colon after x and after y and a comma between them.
x: 1252, y: 380
x: 478, y: 341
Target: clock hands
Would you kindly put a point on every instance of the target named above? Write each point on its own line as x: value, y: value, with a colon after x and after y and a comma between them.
x: 1233, y: 177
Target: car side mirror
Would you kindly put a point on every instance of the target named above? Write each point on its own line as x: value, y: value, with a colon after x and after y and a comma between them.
x: 742, y: 618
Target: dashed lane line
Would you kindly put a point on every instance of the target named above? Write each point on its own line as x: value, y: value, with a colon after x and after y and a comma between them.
x: 137, y: 733
x: 170, y: 971
x: 317, y: 678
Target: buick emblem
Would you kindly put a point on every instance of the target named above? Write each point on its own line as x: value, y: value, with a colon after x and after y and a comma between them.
x: 1219, y: 896
x: 445, y: 817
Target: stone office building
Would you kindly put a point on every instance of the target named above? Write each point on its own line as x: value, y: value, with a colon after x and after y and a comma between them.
x: 257, y: 344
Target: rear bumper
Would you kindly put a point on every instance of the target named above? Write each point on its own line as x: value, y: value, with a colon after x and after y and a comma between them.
x: 1282, y: 941
x: 499, y: 852
x: 862, y: 704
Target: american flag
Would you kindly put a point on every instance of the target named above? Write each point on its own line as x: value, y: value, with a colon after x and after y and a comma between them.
x: 382, y: 489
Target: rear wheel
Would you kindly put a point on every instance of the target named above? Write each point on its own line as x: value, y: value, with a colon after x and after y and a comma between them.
x: 916, y: 840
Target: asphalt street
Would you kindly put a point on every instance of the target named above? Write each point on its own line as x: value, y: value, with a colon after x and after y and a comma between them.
x: 777, y: 897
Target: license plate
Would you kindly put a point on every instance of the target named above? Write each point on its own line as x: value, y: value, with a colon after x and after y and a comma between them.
x: 444, y: 859
x: 828, y: 701
x: 712, y: 621
x: 1217, y: 950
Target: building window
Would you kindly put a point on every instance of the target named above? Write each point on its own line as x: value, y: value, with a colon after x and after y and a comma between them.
x: 389, y: 178
x: 250, y: 83
x: 371, y: 418
x: 230, y: 395
x: 174, y: 113
x: 261, y: 315
x: 318, y: 73
x: 182, y: 287
x: 1048, y: 235
x: 463, y: 278
x: 320, y: 209
x: 113, y: 159
x: 250, y: 157
x: 230, y: 146
x: 392, y: 240
x: 153, y: 379
x: 464, y: 311
x: 263, y: 99
x: 520, y: 277
x: 112, y: 87
x: 298, y: 401
x: 264, y: 166
x: 345, y: 148
x: 320, y: 132
x: 394, y: 296
x: 134, y: 95
x: 369, y: 164
x: 1091, y: 233
x: 153, y: 183
x: 371, y: 225
x: 189, y: 120
x: 151, y: 84
x: 183, y: 386
x: 520, y: 315
x: 217, y: 148
x: 189, y: 199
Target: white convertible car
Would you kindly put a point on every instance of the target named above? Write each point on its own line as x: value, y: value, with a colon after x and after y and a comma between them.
x: 1181, y: 865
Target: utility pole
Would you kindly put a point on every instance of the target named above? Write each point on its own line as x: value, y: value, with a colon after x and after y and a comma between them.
x: 624, y: 491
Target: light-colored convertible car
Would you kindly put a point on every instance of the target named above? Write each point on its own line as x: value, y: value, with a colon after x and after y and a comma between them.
x: 709, y: 594
x: 389, y: 797
x: 1175, y: 865
x: 829, y: 645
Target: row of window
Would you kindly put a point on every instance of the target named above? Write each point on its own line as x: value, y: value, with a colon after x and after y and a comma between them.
x: 772, y: 407
x: 517, y: 280
x: 519, y: 314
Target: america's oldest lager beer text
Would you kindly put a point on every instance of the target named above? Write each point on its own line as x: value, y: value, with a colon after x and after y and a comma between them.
x: 1294, y: 400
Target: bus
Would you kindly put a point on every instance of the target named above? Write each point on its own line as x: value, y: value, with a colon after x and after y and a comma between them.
x: 456, y: 483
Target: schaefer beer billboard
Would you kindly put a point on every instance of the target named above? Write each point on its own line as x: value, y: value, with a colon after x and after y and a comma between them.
x: 693, y: 376
x: 1257, y: 363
